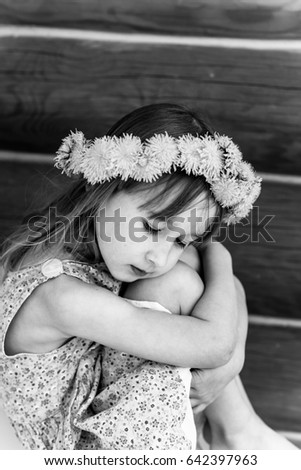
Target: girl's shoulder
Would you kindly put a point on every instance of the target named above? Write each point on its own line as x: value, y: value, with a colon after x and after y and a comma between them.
x: 35, y: 295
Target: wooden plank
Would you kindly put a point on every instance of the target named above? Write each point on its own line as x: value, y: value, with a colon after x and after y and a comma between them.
x: 267, y: 252
x: 272, y: 375
x: 25, y: 188
x: 270, y: 270
x: 264, y: 19
x: 49, y: 86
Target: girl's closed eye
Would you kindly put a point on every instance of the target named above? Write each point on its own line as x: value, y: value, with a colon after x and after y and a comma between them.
x: 150, y: 229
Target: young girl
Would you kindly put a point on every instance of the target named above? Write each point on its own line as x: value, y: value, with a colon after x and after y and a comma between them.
x: 155, y: 187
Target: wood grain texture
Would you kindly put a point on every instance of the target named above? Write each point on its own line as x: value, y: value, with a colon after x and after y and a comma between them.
x: 262, y: 19
x: 269, y: 270
x: 272, y: 375
x: 25, y: 188
x: 267, y: 252
x: 49, y: 86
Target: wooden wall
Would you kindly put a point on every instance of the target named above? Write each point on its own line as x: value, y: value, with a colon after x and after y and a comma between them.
x: 83, y: 64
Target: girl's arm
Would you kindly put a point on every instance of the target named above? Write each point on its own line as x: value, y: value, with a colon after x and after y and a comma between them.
x: 218, y: 303
x: 220, y: 287
x: 207, y: 384
x: 75, y: 308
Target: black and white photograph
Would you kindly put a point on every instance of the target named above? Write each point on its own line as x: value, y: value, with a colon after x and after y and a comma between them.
x: 150, y: 228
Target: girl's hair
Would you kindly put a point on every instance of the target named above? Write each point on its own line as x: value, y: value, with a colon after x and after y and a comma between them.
x: 68, y: 223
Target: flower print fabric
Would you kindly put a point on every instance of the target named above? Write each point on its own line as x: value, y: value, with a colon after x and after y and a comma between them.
x: 86, y: 396
x: 142, y: 404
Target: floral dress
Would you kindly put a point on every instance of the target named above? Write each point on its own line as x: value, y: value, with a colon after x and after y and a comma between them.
x: 84, y: 395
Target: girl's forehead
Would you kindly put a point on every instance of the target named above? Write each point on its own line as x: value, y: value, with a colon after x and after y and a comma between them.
x: 169, y: 197
x: 193, y: 221
x: 190, y: 223
x: 127, y: 200
x: 142, y: 202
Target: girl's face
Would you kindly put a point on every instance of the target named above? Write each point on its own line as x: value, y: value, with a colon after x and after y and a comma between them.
x: 134, y: 246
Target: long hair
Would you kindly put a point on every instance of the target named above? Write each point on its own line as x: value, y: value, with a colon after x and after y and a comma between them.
x: 67, y: 224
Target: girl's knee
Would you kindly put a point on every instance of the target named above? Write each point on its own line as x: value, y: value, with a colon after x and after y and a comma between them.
x: 177, y: 290
x: 190, y: 287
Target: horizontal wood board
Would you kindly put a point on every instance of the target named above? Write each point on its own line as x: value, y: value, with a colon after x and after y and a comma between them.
x: 272, y: 375
x: 248, y: 19
x: 24, y: 189
x: 267, y: 251
x: 49, y: 86
x: 270, y: 270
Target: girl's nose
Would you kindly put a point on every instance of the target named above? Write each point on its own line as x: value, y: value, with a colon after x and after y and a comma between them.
x: 158, y: 256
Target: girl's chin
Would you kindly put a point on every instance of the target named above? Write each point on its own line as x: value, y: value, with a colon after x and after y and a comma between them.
x: 122, y: 275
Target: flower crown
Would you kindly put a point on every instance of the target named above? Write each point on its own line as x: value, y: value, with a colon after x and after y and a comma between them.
x: 232, y: 181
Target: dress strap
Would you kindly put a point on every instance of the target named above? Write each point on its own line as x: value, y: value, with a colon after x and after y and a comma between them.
x: 26, y: 279
x: 97, y: 274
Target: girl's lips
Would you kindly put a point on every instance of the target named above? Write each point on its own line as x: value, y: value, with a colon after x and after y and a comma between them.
x: 138, y: 272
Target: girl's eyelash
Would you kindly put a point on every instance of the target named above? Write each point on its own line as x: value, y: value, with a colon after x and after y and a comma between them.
x: 151, y: 229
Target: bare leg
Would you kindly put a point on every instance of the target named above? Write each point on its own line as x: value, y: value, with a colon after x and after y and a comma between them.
x: 233, y: 421
x: 231, y: 417
x: 235, y: 425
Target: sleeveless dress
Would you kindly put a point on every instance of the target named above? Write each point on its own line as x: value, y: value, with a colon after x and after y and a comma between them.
x: 84, y: 395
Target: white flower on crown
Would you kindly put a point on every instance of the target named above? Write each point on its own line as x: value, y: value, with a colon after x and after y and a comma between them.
x: 70, y: 153
x: 231, y: 152
x: 190, y: 147
x: 250, y: 191
x: 200, y: 156
x: 159, y: 155
x: 148, y: 169
x: 255, y: 189
x: 125, y: 156
x: 250, y: 188
x: 238, y: 212
x: 98, y: 166
x: 223, y: 140
x: 163, y: 148
x: 62, y: 158
x: 226, y: 191
x: 245, y: 171
x: 232, y: 159
x: 212, y: 158
x: 77, y: 153
x: 232, y: 181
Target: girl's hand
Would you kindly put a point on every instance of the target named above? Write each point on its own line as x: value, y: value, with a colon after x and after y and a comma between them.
x: 207, y: 384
